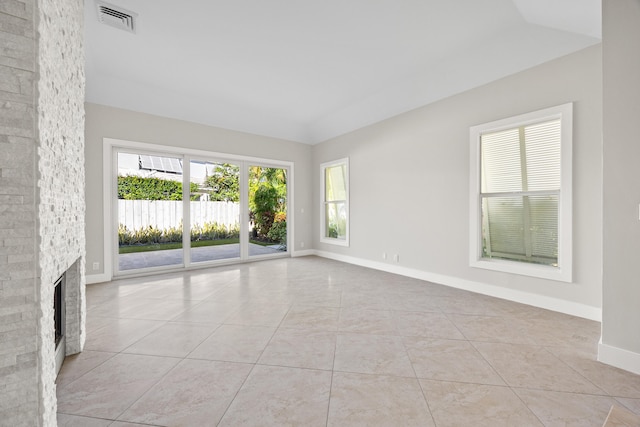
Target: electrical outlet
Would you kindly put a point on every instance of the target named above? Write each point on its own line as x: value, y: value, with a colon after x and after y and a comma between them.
x: 96, y: 266
x: 302, y: 244
x: 396, y: 258
x: 384, y: 256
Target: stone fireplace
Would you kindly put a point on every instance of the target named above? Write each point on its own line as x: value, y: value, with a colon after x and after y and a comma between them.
x: 41, y: 200
x: 68, y: 313
x: 59, y: 312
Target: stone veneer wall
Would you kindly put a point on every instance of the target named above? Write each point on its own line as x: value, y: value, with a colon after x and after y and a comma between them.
x: 18, y: 254
x: 41, y: 198
x: 60, y: 195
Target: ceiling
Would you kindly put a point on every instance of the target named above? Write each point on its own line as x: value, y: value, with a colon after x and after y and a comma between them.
x: 310, y: 70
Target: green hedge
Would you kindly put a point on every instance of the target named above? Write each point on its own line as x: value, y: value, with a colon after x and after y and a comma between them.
x: 133, y: 187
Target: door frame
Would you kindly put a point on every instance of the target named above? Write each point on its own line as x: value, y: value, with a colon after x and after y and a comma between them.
x: 112, y: 146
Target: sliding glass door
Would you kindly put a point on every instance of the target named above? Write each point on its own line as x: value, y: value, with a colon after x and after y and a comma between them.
x: 214, y: 211
x: 149, y: 211
x: 267, y: 196
x: 232, y: 210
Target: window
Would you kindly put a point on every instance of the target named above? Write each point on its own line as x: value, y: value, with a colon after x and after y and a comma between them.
x: 521, y: 194
x: 335, y: 202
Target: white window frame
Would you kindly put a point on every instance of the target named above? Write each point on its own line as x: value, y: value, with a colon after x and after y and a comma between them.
x: 323, y: 203
x: 563, y: 272
x: 110, y: 244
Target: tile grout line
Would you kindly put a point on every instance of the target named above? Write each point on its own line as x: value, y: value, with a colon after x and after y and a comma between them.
x: 576, y: 371
x: 471, y: 343
x: 333, y: 363
x: 417, y: 379
x: 235, y: 395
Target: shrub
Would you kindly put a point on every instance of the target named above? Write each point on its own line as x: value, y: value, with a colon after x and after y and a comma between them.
x: 172, y: 234
x: 149, y: 235
x: 265, y: 204
x: 124, y: 235
x: 278, y: 232
x: 213, y: 231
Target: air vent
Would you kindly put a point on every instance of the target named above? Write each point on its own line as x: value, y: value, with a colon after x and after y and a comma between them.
x: 116, y: 16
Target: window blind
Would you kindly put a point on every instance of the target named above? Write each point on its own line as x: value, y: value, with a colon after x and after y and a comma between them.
x: 520, y: 188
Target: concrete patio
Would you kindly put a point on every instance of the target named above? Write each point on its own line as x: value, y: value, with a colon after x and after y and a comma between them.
x: 139, y: 260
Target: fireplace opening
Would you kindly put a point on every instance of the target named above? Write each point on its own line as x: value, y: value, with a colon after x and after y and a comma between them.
x: 59, y: 320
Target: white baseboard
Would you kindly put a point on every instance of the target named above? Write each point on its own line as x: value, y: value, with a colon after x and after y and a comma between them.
x: 541, y: 301
x: 104, y: 277
x: 618, y: 357
x: 97, y: 278
x: 306, y: 252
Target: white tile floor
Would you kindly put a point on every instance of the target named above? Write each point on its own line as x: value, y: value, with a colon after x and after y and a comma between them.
x: 309, y: 341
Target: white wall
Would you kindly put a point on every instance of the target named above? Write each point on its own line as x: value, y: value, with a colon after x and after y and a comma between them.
x: 621, y: 283
x: 108, y: 122
x: 410, y: 185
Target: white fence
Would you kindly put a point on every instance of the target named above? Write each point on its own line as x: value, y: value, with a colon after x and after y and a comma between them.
x: 163, y: 214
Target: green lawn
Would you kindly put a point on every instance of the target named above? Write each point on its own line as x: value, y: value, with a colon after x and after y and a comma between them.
x: 176, y: 245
